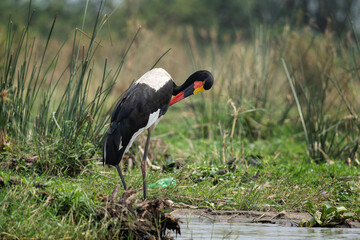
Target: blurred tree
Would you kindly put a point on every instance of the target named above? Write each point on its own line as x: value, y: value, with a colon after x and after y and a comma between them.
x: 202, y: 15
x: 225, y: 16
x: 69, y: 14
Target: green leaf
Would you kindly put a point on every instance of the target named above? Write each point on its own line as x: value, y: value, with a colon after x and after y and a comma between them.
x: 302, y: 223
x: 311, y: 223
x: 330, y: 210
x: 311, y: 207
x: 332, y: 224
x: 317, y: 217
x: 326, y: 212
x: 341, y: 210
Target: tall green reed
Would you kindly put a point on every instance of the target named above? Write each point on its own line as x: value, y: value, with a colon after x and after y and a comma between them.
x: 236, y: 107
x: 252, y: 100
x: 64, y: 126
x: 78, y: 122
x: 314, y: 75
x: 22, y: 79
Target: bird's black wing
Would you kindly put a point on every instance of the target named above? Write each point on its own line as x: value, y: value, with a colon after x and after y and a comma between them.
x: 130, y: 115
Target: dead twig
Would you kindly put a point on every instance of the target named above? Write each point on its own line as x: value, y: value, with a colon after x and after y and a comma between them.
x: 152, y: 166
x: 258, y: 218
x: 224, y: 135
x: 242, y: 156
x: 78, y: 29
x: 114, y: 193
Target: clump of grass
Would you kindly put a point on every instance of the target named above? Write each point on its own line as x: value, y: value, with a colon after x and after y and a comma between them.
x: 327, y: 217
x: 21, y: 81
x: 252, y: 80
x: 244, y: 76
x: 66, y: 128
x: 62, y: 212
x: 320, y: 108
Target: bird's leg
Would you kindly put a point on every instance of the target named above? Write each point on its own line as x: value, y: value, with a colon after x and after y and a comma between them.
x: 121, y: 176
x: 143, y: 163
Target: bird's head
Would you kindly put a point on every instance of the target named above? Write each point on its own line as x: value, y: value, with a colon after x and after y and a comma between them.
x: 197, y: 82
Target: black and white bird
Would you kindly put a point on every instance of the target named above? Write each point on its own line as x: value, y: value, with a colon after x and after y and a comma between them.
x: 141, y: 107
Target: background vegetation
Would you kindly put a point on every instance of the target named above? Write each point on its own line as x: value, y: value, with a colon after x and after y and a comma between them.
x: 279, y: 129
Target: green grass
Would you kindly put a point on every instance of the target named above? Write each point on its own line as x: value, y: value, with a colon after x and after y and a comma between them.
x: 38, y: 205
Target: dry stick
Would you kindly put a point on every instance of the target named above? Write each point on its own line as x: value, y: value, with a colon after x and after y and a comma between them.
x: 78, y: 29
x: 130, y: 163
x: 108, y: 25
x: 242, y: 155
x: 297, y: 104
x: 258, y: 218
x: 203, y: 215
x: 165, y: 134
x: 152, y: 166
x: 232, y: 217
x: 191, y: 145
x: 235, y: 115
x: 224, y: 136
x: 327, y: 158
x: 114, y: 193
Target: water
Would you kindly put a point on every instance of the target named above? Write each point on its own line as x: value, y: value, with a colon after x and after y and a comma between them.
x: 199, y: 228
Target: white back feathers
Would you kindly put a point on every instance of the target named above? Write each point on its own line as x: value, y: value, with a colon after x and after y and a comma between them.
x: 155, y: 78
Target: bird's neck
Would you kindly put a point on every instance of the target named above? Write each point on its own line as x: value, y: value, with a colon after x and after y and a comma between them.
x: 177, y: 89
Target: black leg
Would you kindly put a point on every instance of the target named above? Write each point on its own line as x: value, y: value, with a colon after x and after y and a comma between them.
x: 121, y: 176
x: 143, y: 164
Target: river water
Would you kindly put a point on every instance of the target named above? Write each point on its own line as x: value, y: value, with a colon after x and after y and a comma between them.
x: 197, y: 228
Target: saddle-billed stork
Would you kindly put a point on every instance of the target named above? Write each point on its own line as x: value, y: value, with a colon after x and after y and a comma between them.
x: 141, y: 107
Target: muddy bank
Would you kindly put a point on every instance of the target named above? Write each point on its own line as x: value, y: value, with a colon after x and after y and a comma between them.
x: 288, y: 219
x: 136, y: 219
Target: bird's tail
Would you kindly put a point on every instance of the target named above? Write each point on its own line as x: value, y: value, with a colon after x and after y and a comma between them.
x: 111, y: 154
x: 104, y: 152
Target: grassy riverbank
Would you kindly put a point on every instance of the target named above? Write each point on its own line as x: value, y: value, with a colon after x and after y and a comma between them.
x: 42, y: 205
x: 278, y: 131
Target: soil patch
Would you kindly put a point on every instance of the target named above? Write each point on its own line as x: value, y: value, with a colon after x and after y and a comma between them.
x: 282, y: 218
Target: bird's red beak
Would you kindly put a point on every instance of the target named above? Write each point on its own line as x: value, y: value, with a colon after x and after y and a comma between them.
x: 194, y: 88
